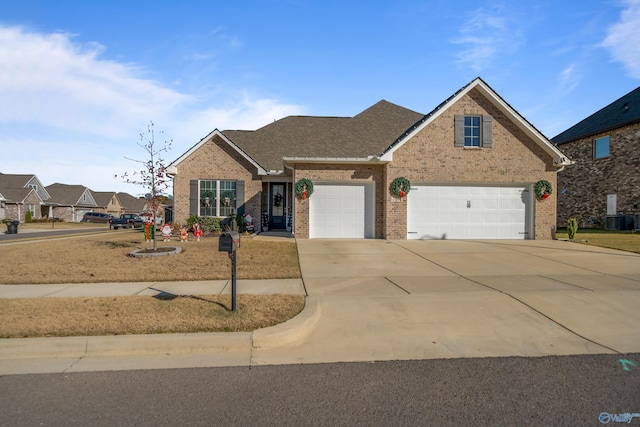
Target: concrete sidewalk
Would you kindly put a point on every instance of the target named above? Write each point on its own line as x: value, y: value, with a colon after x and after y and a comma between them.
x: 387, y: 300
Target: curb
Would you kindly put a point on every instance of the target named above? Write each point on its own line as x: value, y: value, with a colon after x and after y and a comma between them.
x: 124, y: 345
x: 290, y: 331
x: 164, y: 344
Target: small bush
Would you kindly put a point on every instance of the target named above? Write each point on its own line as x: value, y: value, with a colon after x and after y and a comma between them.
x: 207, y: 223
x: 28, y: 217
x: 572, y: 228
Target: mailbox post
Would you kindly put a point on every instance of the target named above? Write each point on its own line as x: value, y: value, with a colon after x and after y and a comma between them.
x: 230, y: 242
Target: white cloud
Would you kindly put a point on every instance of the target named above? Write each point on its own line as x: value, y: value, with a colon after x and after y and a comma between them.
x: 569, y: 78
x: 483, y: 36
x: 75, y: 115
x: 623, y: 38
x: 52, y: 81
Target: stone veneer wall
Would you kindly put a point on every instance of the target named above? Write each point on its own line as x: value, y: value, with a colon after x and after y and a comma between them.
x: 431, y: 158
x: 589, y: 181
x: 215, y: 159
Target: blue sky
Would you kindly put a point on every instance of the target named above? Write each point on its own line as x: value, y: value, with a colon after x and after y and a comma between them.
x: 79, y: 81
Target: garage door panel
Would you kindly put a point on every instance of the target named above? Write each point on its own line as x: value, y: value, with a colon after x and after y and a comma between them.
x: 472, y: 212
x: 340, y: 211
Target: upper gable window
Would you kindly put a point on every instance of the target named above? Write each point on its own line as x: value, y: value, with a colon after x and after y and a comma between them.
x: 473, y: 131
x: 601, y: 147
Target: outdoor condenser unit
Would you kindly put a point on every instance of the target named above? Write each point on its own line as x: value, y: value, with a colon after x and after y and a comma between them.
x: 613, y: 222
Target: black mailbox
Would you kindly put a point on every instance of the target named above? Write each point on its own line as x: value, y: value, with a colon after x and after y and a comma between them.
x: 229, y: 242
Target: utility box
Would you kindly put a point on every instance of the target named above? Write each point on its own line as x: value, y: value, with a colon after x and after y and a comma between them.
x: 229, y: 242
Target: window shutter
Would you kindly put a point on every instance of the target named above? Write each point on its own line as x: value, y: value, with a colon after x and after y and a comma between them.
x: 240, y: 197
x: 487, y: 132
x: 194, y: 203
x: 458, y: 131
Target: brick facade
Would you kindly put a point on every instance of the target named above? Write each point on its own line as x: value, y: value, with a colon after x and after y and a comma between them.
x: 584, y: 186
x: 429, y: 157
x: 216, y: 160
x: 18, y: 211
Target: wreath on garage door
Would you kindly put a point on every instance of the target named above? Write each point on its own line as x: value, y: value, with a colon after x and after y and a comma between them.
x: 304, y: 188
x: 543, y: 189
x: 400, y: 187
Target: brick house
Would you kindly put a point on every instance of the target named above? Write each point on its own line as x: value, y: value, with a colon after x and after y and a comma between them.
x: 71, y: 202
x: 20, y: 193
x: 604, y: 182
x: 472, y: 164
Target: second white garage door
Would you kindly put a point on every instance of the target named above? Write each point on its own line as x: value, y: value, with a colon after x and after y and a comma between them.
x: 341, y: 211
x: 472, y: 212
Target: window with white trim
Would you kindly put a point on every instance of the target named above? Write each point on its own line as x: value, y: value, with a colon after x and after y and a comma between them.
x: 217, y: 197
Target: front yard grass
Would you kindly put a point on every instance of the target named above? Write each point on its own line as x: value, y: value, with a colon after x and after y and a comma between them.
x: 621, y: 240
x: 103, y: 258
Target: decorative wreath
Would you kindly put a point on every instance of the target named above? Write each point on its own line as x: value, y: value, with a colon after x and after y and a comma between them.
x: 207, y: 195
x: 302, y: 185
x: 543, y: 189
x: 400, y: 187
x: 227, y: 194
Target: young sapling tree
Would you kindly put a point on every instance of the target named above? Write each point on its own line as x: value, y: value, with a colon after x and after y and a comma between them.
x: 152, y: 176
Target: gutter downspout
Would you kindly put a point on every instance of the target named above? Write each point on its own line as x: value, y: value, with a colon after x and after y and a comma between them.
x: 293, y: 198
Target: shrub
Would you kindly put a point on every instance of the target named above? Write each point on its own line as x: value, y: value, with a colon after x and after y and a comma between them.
x: 28, y: 217
x: 207, y: 223
x: 572, y: 228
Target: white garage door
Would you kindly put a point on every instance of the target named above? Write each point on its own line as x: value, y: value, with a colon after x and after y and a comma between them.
x: 341, y: 211
x: 452, y: 212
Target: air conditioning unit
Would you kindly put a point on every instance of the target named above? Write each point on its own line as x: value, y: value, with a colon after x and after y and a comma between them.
x: 615, y: 222
x: 636, y: 221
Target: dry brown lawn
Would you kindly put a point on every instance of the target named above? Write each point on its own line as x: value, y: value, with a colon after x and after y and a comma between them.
x: 104, y: 257
x: 29, y: 317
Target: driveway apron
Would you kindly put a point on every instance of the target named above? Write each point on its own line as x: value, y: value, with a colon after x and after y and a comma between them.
x: 388, y: 300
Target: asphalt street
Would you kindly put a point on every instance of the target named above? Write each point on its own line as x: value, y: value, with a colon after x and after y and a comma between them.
x: 53, y: 232
x: 556, y: 390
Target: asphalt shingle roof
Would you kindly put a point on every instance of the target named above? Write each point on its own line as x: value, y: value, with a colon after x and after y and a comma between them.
x: 366, y: 134
x: 67, y: 195
x: 621, y: 112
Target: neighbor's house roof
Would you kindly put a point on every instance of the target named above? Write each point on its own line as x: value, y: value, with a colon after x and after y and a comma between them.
x: 622, y: 112
x: 131, y: 204
x: 16, y: 195
x: 16, y: 187
x: 103, y: 198
x: 374, y: 134
x: 70, y: 195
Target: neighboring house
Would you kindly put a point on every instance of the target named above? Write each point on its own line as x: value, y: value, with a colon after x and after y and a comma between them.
x: 19, y: 194
x: 472, y: 164
x: 130, y: 204
x: 109, y: 202
x: 71, y: 202
x: 602, y: 188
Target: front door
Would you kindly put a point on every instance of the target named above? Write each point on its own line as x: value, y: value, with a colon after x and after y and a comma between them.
x: 277, y: 203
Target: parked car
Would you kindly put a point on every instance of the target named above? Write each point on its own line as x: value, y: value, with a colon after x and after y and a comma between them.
x: 96, y: 217
x: 126, y: 221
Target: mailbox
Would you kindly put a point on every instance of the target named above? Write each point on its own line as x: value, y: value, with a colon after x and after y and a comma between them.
x: 229, y: 242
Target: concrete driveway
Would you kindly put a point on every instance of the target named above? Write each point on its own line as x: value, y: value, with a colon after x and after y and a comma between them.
x: 388, y: 300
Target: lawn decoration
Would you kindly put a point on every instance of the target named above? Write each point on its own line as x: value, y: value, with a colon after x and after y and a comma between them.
x: 197, y: 231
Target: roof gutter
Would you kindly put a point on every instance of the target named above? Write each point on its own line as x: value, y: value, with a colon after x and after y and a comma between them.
x: 368, y: 159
